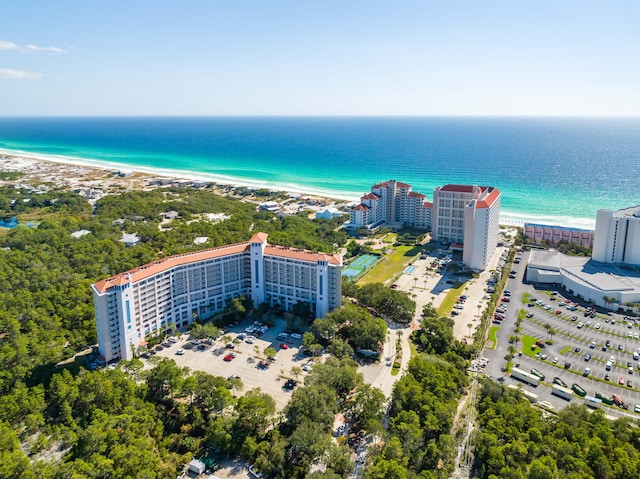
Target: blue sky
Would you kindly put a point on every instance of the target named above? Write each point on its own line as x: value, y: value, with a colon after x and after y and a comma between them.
x: 256, y: 57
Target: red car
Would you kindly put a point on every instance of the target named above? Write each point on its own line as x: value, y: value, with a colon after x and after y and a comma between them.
x: 621, y: 381
x: 558, y: 312
x: 229, y: 357
x: 284, y: 346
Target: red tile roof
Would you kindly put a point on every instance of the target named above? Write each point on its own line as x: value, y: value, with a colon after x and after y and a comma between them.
x: 413, y: 194
x: 150, y: 269
x: 489, y: 199
x: 361, y: 207
x: 259, y: 238
x: 427, y: 204
x: 458, y: 188
x: 370, y: 196
x: 402, y: 185
x: 164, y: 264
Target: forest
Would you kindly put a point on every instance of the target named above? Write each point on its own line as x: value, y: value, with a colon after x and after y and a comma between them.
x: 518, y: 441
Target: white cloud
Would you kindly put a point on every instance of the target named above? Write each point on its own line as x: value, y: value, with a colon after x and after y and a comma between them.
x: 35, y: 48
x: 5, y: 45
x: 29, y: 48
x: 11, y: 74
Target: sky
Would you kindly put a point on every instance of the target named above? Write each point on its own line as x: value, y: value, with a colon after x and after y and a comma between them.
x: 347, y: 57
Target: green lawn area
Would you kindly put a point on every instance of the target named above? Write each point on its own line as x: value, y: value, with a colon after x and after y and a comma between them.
x: 390, y: 266
x: 527, y: 342
x: 492, y: 336
x: 525, y: 297
x: 390, y: 238
x: 565, y: 350
x: 522, y: 314
x: 447, y: 303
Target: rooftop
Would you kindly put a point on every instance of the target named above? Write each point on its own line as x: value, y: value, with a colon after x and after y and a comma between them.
x: 150, y: 269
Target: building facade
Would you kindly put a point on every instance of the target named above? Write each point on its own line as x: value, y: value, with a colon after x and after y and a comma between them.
x: 391, y: 203
x: 174, y: 291
x: 555, y: 234
x: 467, y: 216
x: 617, y: 236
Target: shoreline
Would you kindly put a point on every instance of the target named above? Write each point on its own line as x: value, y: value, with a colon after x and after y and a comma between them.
x: 61, y: 170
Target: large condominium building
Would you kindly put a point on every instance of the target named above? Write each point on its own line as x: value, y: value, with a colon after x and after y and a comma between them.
x: 176, y: 290
x: 617, y: 236
x: 393, y: 204
x: 468, y: 217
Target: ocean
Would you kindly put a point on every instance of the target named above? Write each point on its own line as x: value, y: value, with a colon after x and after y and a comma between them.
x: 549, y: 170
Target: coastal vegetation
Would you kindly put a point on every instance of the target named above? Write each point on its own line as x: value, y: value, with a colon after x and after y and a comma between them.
x: 516, y: 440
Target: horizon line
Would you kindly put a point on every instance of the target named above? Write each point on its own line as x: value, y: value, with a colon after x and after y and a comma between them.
x: 337, y: 116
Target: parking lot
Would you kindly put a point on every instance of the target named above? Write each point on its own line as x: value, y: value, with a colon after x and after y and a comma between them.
x: 603, y: 337
x: 247, y: 361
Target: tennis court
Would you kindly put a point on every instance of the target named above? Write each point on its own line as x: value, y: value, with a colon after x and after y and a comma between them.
x: 359, y: 265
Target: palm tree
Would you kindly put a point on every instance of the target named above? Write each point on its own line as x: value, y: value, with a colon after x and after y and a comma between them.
x: 549, y: 329
x: 296, y: 371
x: 469, y: 325
x: 415, y: 282
x: 425, y: 283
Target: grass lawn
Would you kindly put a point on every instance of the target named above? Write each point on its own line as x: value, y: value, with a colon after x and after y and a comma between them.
x: 565, y: 350
x: 447, y: 303
x: 390, y: 266
x: 525, y: 297
x: 390, y: 238
x: 522, y: 314
x: 492, y: 336
x: 527, y: 342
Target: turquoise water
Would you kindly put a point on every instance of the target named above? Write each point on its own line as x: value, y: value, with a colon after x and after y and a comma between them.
x: 558, y: 171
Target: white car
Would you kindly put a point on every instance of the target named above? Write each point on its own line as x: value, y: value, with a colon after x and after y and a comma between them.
x: 249, y: 340
x: 636, y: 336
x: 255, y: 472
x: 555, y: 361
x: 180, y: 352
x: 597, y: 326
x: 636, y: 408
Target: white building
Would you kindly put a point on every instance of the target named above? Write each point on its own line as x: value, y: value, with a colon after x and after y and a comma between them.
x: 617, y: 236
x: 328, y: 213
x: 392, y: 204
x: 467, y: 216
x: 585, y: 278
x: 173, y: 291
